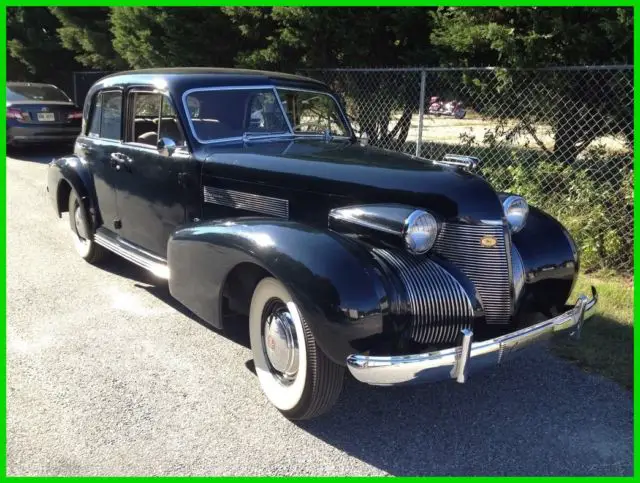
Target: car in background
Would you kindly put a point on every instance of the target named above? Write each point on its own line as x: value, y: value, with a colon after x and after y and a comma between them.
x: 40, y: 113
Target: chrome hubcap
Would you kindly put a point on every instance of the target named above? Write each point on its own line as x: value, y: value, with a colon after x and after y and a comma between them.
x: 281, y: 344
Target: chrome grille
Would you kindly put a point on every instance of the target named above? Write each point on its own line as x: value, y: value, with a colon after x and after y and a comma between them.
x: 247, y: 201
x: 488, y: 268
x: 438, y: 305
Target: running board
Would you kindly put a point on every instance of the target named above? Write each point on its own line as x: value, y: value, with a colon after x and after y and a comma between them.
x: 142, y: 258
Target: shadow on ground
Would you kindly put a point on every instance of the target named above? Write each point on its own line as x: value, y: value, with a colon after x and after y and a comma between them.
x: 39, y: 154
x: 538, y: 415
x: 160, y: 289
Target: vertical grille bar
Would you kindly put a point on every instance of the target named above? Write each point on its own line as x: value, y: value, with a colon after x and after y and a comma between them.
x: 489, y: 268
x: 439, y: 306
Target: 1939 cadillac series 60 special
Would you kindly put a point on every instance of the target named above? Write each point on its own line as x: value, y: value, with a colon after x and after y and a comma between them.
x: 250, y: 193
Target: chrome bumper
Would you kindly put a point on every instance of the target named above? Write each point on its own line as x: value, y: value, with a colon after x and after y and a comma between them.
x: 458, y: 362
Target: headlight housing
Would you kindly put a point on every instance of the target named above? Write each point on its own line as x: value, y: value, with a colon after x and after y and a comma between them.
x: 516, y: 210
x: 420, y: 232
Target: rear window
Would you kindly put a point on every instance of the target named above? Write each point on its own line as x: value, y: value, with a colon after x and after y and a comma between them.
x: 35, y: 93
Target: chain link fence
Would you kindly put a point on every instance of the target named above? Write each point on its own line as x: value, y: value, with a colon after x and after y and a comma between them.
x: 561, y: 137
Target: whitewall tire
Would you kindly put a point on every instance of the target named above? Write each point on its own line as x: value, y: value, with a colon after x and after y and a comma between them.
x: 81, y: 232
x: 294, y: 374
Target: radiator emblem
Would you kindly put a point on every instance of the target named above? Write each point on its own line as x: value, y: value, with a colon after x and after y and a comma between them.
x: 488, y: 241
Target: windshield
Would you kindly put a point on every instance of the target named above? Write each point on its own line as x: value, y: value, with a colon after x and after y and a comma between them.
x: 312, y: 112
x: 32, y: 92
x: 225, y: 114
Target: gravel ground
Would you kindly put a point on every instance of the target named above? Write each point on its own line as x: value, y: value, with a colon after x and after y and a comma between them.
x: 106, y: 375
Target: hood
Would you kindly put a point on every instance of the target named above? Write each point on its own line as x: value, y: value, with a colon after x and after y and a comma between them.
x: 359, y: 174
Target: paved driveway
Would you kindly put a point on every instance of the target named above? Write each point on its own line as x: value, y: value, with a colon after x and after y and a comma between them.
x: 108, y: 376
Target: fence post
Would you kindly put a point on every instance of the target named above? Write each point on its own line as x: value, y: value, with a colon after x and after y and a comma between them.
x: 423, y: 78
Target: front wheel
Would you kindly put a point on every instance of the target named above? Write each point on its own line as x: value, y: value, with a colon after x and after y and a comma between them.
x: 81, y: 232
x: 293, y: 372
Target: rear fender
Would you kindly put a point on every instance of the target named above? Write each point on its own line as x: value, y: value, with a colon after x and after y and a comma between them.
x: 72, y: 171
x: 333, y: 279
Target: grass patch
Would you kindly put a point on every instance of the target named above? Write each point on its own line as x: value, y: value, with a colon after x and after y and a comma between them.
x: 606, y: 345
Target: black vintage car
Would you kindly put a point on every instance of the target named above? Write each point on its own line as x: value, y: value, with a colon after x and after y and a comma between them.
x: 251, y: 194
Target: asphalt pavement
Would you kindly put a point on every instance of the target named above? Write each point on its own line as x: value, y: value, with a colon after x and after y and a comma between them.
x: 107, y: 375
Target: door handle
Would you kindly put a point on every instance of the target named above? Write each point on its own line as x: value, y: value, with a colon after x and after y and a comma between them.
x: 119, y: 160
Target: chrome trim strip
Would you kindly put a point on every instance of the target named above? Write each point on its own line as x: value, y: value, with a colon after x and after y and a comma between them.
x: 247, y: 201
x: 339, y: 214
x: 149, y: 262
x: 518, y: 273
x: 452, y: 363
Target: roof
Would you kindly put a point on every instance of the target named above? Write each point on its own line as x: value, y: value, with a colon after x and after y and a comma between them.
x: 180, y: 71
x: 212, y: 76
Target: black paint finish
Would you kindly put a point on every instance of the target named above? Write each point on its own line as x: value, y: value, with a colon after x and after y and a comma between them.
x: 550, y: 259
x: 334, y: 280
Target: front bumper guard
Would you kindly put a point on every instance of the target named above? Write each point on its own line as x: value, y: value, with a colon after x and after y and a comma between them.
x: 458, y: 362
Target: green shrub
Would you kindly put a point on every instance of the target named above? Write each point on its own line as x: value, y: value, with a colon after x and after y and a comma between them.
x: 593, y: 198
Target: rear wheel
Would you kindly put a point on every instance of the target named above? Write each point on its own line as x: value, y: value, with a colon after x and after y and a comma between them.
x: 293, y: 372
x: 81, y: 232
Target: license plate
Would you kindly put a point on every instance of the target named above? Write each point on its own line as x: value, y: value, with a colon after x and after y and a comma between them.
x: 46, y: 116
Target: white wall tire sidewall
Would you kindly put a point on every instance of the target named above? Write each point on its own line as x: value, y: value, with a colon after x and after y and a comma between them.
x: 83, y: 247
x: 282, y: 397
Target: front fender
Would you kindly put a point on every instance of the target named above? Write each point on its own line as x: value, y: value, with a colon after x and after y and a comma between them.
x: 333, y: 279
x: 75, y: 172
x: 550, y: 259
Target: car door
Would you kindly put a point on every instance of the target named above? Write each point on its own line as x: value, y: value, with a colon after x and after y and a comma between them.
x: 96, y: 146
x: 153, y: 185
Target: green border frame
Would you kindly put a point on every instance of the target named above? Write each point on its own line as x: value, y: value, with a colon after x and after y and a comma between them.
x: 308, y: 3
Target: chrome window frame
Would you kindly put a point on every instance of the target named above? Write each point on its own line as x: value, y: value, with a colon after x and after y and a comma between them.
x: 272, y: 88
x: 327, y: 93
x: 145, y: 89
x: 92, y: 105
x: 185, y: 105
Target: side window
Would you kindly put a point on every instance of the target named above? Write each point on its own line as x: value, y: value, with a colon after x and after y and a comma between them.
x: 96, y: 113
x: 169, y: 122
x: 111, y: 119
x: 154, y: 117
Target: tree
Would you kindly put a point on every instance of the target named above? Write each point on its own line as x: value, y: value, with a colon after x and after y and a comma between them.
x: 86, y: 32
x: 580, y: 108
x: 33, y: 47
x: 169, y: 37
x: 307, y: 38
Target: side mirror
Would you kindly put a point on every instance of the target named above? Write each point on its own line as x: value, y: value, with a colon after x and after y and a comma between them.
x: 166, y: 146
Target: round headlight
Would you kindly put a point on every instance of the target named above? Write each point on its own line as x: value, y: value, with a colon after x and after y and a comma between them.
x: 516, y: 211
x: 420, y: 232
